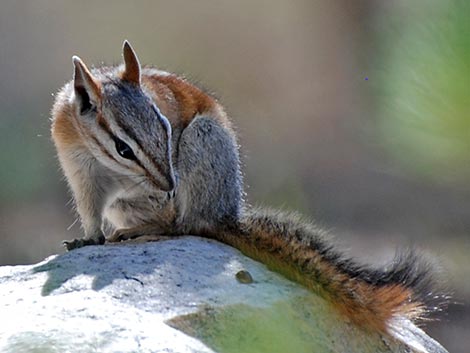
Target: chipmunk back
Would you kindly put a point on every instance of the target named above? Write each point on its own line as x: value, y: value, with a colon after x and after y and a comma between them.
x: 147, y: 153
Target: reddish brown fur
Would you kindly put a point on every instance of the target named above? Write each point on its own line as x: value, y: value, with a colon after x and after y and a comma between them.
x: 180, y: 101
x: 368, y: 306
x: 131, y: 72
x: 64, y: 132
x: 83, y: 77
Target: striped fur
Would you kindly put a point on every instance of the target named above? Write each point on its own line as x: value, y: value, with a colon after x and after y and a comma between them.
x: 184, y: 178
x: 370, y: 298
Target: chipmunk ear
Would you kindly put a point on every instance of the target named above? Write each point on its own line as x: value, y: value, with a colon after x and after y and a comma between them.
x: 87, y: 89
x: 131, y: 64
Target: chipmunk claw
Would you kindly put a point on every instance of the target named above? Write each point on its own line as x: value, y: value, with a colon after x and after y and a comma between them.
x: 121, y: 235
x: 142, y: 233
x: 131, y: 234
x: 72, y: 244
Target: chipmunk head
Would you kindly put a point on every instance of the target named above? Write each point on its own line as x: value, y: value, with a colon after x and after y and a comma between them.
x: 125, y: 130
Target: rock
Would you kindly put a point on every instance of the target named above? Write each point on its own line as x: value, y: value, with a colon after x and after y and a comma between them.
x: 178, y: 295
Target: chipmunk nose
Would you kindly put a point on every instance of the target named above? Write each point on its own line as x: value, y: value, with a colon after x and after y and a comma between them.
x: 171, y: 194
x: 171, y: 183
x: 168, y: 185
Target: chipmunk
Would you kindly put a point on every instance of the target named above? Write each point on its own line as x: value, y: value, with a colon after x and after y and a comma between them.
x: 147, y: 153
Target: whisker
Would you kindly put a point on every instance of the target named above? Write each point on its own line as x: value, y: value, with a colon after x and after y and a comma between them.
x: 135, y: 185
x: 120, y: 177
x: 73, y: 223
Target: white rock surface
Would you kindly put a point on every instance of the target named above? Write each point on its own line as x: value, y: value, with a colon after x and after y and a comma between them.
x: 179, y: 295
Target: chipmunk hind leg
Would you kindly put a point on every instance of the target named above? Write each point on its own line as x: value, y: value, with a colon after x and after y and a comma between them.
x: 209, y: 194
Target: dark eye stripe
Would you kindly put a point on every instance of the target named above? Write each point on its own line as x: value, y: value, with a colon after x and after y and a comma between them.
x: 105, y: 151
x: 105, y: 126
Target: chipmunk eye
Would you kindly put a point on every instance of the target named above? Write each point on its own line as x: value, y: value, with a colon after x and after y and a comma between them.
x: 124, y: 150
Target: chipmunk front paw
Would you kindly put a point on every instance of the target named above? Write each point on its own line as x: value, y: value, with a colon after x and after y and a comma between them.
x: 81, y: 242
x: 73, y: 244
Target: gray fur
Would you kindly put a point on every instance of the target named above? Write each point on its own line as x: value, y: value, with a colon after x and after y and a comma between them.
x: 177, y: 179
x: 210, y: 192
x: 198, y: 164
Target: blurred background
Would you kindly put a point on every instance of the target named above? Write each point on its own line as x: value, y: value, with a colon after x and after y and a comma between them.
x: 355, y: 113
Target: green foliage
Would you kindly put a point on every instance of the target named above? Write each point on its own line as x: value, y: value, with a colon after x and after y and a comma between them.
x: 26, y: 157
x: 425, y: 85
x: 242, y: 328
x: 300, y: 324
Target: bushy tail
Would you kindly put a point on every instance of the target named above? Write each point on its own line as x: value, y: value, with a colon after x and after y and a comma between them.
x: 370, y: 298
